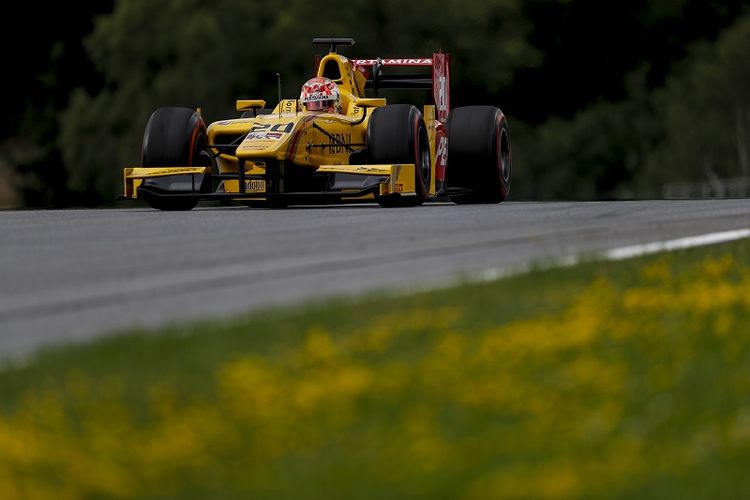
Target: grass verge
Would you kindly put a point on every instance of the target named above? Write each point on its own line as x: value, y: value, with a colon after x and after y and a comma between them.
x: 608, y: 379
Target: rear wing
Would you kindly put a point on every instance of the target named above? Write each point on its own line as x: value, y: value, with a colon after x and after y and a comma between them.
x: 438, y: 81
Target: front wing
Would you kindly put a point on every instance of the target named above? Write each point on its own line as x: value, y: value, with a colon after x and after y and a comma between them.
x: 349, y: 183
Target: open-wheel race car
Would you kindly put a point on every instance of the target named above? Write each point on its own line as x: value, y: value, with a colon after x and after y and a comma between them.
x: 339, y: 142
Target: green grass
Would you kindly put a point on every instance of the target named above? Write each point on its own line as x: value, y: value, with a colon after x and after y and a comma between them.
x: 608, y: 379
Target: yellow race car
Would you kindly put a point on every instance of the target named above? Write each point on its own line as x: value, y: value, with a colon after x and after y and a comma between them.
x: 338, y: 142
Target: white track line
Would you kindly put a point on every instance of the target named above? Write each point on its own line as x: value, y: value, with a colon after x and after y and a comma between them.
x: 680, y: 243
x: 619, y: 253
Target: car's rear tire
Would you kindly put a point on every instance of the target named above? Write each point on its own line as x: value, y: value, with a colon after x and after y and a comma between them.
x: 397, y: 134
x: 479, y: 155
x: 174, y: 137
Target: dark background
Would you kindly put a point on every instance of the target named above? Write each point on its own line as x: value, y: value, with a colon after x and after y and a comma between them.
x: 606, y: 100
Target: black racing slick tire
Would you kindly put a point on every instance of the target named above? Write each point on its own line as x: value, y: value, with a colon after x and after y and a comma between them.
x: 479, y: 155
x: 397, y: 134
x: 174, y: 137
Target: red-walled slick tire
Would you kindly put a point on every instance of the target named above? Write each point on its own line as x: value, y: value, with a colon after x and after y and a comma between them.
x: 479, y: 155
x: 174, y: 137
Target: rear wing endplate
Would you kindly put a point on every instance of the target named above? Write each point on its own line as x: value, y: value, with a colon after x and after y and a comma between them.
x: 439, y: 82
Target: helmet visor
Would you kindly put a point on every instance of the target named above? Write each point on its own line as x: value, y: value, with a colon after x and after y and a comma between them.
x: 319, y: 105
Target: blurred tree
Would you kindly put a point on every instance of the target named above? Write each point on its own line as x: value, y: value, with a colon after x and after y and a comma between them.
x: 598, y: 154
x: 705, y: 111
x: 42, y: 70
x: 609, y: 125
x: 590, y: 47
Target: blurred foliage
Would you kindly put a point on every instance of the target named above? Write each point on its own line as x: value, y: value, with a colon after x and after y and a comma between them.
x: 598, y: 154
x: 597, y: 92
x: 694, y: 127
x: 705, y: 113
x: 43, y: 68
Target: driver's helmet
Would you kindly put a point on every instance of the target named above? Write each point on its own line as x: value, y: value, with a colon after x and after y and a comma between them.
x: 320, y: 94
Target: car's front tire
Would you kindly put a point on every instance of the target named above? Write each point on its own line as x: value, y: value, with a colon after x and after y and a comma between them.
x: 174, y: 137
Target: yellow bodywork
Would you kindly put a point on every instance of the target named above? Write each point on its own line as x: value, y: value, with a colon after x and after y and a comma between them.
x: 400, y: 177
x: 248, y: 104
x: 306, y: 139
x: 133, y: 176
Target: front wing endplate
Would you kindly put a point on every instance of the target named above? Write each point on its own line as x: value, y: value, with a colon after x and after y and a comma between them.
x: 133, y: 176
x: 400, y: 177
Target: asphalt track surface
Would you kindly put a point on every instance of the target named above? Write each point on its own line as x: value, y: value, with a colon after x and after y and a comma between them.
x: 78, y: 274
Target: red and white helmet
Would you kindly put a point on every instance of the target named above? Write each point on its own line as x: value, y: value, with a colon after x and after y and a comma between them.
x: 320, y: 94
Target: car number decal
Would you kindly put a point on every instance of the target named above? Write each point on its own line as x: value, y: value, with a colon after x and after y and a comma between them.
x: 283, y: 128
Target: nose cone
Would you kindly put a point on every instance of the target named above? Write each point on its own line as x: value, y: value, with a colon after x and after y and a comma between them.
x: 268, y: 138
